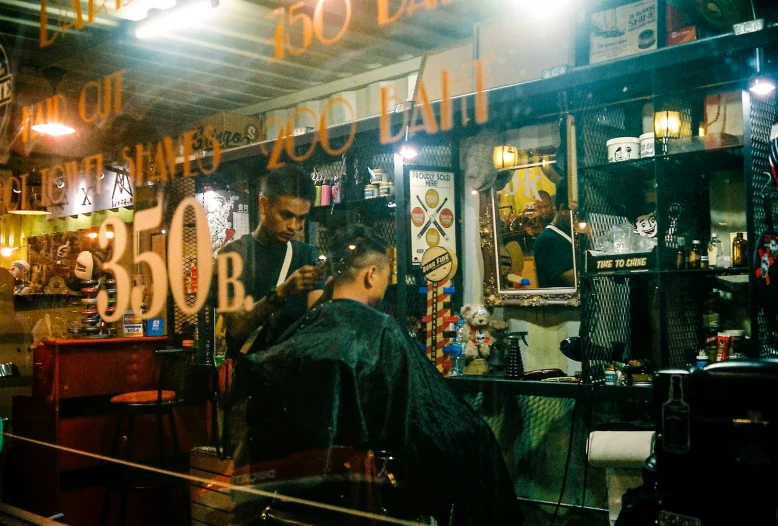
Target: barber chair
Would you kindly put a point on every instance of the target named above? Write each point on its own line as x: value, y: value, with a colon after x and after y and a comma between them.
x: 716, y: 447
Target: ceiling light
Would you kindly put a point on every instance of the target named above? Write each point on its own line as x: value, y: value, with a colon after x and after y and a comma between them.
x: 53, y: 129
x: 7, y: 251
x: 408, y: 151
x: 175, y: 19
x: 542, y: 10
x: 760, y: 84
x: 137, y: 10
x: 31, y: 206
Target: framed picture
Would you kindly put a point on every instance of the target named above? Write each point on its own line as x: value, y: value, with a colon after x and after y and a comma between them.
x: 625, y: 29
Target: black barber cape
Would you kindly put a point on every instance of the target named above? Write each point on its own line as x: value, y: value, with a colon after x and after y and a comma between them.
x: 346, y: 375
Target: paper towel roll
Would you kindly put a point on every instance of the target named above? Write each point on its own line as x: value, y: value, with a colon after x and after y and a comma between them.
x: 626, y: 449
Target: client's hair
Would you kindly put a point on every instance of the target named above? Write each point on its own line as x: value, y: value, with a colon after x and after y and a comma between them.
x: 352, y: 249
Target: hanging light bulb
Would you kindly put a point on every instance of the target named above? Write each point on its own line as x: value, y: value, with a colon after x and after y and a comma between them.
x: 761, y: 84
x: 408, y: 150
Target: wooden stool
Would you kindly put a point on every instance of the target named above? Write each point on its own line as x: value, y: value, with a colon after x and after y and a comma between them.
x: 159, y: 402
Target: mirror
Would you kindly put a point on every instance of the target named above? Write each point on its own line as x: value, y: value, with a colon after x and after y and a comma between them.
x: 527, y: 235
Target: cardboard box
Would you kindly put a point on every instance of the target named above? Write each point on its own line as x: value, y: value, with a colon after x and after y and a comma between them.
x: 232, y: 130
x: 623, y: 31
x: 597, y: 262
x: 686, y: 34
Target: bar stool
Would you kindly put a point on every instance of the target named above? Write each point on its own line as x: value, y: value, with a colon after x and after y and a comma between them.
x: 159, y: 402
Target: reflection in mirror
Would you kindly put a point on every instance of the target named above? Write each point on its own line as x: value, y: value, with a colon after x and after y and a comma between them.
x: 533, y: 255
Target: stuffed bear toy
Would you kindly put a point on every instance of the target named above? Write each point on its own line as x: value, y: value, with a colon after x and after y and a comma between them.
x: 478, y: 339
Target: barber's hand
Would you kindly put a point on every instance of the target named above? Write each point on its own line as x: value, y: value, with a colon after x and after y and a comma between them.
x: 302, y: 280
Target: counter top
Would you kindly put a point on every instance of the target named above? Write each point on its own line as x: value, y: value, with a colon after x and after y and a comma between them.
x: 88, y: 341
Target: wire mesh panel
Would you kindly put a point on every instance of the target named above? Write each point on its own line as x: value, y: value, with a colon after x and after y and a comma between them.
x: 605, y: 319
x: 435, y: 155
x: 763, y: 115
x: 180, y: 189
x: 384, y: 161
x: 682, y: 303
x: 605, y: 313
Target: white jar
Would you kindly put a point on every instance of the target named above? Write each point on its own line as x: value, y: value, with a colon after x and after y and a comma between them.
x: 623, y: 149
x: 647, y: 143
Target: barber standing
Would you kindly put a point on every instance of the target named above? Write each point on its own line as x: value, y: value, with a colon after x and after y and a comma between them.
x: 279, y: 272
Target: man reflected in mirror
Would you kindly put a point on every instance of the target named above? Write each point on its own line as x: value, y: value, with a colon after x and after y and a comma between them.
x: 554, y: 246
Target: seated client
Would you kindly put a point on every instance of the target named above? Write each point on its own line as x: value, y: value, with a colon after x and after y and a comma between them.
x: 346, y: 382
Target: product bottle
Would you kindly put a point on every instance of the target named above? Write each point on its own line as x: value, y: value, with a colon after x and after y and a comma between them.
x: 317, y: 201
x: 739, y: 248
x: 680, y: 254
x: 702, y: 359
x: 714, y: 249
x: 336, y: 190
x: 459, y: 358
x: 694, y: 254
x: 710, y: 323
x: 371, y: 191
x: 326, y: 192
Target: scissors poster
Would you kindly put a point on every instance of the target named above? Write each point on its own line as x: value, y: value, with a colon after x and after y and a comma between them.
x: 432, y: 212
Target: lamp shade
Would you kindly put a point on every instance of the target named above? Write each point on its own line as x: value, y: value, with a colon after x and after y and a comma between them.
x: 667, y: 124
x: 505, y: 157
x: 31, y: 204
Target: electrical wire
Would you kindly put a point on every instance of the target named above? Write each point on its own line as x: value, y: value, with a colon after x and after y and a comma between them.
x: 569, y: 453
x: 586, y: 459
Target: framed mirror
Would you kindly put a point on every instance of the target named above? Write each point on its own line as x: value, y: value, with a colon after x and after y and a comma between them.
x: 527, y: 235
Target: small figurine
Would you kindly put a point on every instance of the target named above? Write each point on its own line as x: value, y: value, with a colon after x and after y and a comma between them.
x: 19, y: 270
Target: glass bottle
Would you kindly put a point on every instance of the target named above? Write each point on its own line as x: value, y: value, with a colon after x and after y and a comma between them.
x: 739, y: 249
x: 695, y: 253
x: 680, y: 254
x: 714, y: 250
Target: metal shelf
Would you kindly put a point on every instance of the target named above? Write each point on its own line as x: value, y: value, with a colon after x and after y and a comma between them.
x: 376, y: 205
x: 702, y: 160
x: 692, y: 273
x: 475, y: 384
